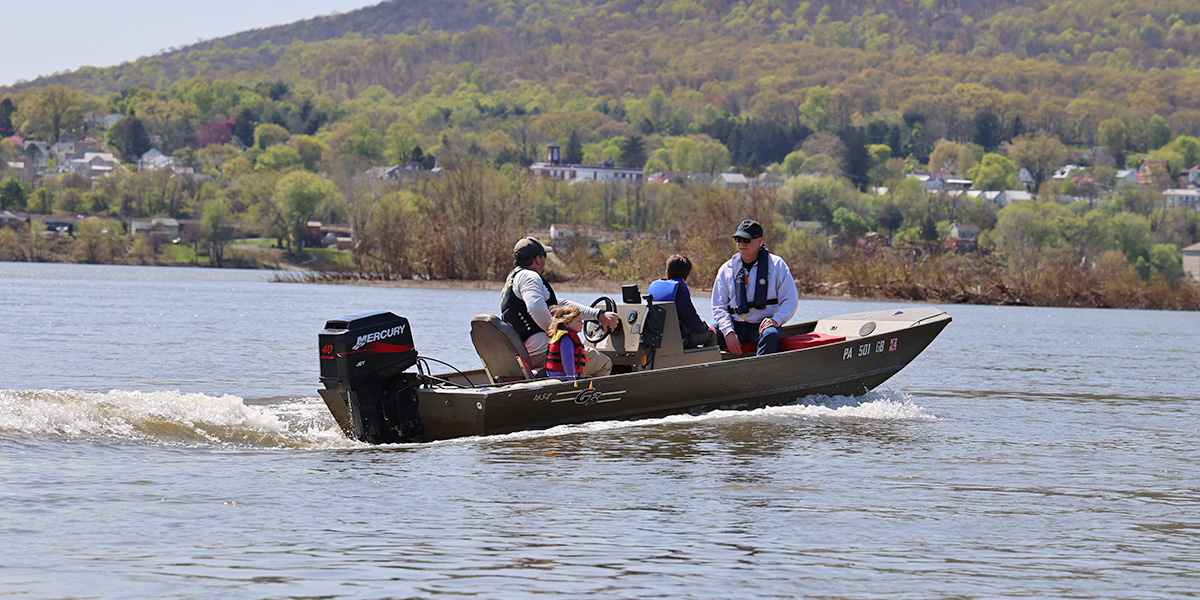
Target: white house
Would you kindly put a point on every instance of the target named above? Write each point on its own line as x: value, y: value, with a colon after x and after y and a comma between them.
x: 554, y: 169
x: 957, y: 183
x: 1189, y: 198
x: 163, y: 228
x: 732, y: 181
x: 94, y: 164
x: 153, y: 160
x: 1127, y: 176
x: 1191, y: 261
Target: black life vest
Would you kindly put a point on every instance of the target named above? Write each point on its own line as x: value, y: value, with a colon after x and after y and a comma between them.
x: 513, y: 310
x: 762, y: 282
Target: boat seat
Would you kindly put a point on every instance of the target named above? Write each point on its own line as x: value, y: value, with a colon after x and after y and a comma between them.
x: 798, y: 342
x: 501, y: 350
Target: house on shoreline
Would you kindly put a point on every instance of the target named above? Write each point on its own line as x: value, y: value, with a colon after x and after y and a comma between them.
x: 1191, y: 261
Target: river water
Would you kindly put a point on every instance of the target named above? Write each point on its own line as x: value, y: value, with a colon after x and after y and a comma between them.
x: 161, y: 437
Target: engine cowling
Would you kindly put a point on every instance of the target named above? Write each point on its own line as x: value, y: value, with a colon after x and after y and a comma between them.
x: 364, y: 359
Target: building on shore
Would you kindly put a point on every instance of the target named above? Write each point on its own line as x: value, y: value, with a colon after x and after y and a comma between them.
x: 554, y: 169
x: 1191, y: 261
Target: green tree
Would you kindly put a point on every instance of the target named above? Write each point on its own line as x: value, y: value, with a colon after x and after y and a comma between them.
x: 1115, y: 136
x: 573, y: 154
x: 995, y: 173
x: 1158, y: 133
x: 53, y: 111
x: 243, y: 127
x: 269, y: 134
x: 358, y: 139
x: 216, y: 228
x: 399, y: 143
x: 987, y: 131
x: 633, y: 152
x: 890, y: 217
x: 851, y: 224
x: 1132, y: 234
x: 12, y: 194
x: 310, y: 150
x: 945, y: 157
x: 129, y: 136
x: 814, y: 112
x: 856, y: 162
x: 297, y: 197
x: 793, y: 162
x: 807, y: 198
x: 97, y: 241
x: 1166, y: 260
x: 1040, y: 153
x: 278, y: 158
x: 7, y: 108
x: 707, y: 156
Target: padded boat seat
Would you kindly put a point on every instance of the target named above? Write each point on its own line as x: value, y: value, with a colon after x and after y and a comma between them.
x: 500, y: 348
x: 798, y: 342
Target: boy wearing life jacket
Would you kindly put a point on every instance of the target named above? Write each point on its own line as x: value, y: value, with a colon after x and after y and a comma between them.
x: 673, y: 288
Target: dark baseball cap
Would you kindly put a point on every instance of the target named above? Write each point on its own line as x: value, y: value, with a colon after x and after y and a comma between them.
x: 748, y: 230
x: 529, y: 248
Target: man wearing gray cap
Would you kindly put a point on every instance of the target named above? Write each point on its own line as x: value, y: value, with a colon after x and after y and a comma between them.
x: 754, y: 294
x: 525, y: 304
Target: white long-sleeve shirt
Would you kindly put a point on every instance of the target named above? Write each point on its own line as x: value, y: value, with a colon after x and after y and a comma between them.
x: 780, y: 285
x: 528, y: 285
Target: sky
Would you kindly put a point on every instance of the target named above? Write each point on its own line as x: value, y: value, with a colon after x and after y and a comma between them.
x: 43, y: 37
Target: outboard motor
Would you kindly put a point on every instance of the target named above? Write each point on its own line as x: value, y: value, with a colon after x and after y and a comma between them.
x: 363, y: 363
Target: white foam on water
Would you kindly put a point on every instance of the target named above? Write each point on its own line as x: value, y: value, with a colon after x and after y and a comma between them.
x: 176, y: 418
x: 169, y: 418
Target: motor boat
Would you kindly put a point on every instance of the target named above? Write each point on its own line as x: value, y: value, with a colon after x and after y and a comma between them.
x: 374, y: 393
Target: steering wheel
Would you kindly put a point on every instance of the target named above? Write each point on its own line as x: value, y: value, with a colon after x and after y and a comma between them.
x: 593, y: 331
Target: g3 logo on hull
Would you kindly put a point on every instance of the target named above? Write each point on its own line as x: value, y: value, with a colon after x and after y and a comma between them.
x: 588, y: 397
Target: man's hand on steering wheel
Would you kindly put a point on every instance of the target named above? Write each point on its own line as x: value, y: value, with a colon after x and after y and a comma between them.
x: 609, y: 320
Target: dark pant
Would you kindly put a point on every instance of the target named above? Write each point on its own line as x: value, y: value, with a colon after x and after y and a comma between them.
x: 767, y: 343
x: 695, y: 339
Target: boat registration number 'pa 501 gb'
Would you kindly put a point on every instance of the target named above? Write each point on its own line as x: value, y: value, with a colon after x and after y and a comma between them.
x: 865, y: 349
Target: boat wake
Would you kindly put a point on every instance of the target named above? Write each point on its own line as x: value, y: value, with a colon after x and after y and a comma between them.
x: 169, y: 418
x: 174, y: 418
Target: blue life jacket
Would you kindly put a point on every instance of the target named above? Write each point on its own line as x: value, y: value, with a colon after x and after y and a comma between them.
x: 663, y: 290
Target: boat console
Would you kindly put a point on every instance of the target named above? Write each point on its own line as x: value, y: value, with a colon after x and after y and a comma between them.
x: 648, y: 337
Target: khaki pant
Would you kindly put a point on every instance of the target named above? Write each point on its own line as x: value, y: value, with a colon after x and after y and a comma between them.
x: 598, y: 364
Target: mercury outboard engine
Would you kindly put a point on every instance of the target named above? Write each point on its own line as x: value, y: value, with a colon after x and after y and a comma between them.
x: 363, y: 363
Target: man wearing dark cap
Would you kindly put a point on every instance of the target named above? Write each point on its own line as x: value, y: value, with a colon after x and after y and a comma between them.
x: 754, y: 294
x: 525, y: 304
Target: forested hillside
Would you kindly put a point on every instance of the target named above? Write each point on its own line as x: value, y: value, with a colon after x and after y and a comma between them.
x: 834, y: 95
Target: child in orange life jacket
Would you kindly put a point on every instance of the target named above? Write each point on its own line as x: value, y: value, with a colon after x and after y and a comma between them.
x: 565, y: 358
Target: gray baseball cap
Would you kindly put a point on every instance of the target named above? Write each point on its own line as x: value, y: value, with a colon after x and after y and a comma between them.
x: 529, y: 248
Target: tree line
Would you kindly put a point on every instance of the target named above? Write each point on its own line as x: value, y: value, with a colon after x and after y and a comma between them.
x: 838, y: 97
